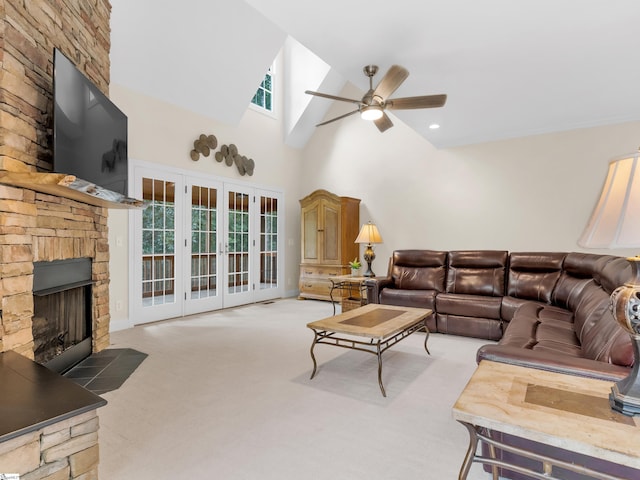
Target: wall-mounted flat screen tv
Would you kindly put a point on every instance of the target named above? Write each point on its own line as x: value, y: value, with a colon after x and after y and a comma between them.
x: 89, y: 131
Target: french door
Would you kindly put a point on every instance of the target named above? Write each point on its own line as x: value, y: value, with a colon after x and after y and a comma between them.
x: 237, y: 251
x: 202, y: 244
x: 203, y: 234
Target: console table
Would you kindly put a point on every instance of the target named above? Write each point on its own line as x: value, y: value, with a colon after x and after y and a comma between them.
x: 563, y: 411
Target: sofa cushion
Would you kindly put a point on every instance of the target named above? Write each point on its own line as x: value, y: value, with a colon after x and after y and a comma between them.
x: 511, y: 304
x: 479, y: 327
x: 477, y: 272
x: 577, y: 271
x: 533, y: 275
x: 612, y: 272
x: 599, y: 341
x: 411, y: 298
x: 418, y: 269
x: 621, y: 350
x: 408, y: 298
x: 469, y: 305
x: 544, y: 328
x: 594, y: 303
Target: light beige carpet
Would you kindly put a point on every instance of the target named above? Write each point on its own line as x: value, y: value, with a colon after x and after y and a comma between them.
x: 227, y: 395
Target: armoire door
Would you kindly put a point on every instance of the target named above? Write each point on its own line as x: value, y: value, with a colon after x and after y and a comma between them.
x: 330, y: 232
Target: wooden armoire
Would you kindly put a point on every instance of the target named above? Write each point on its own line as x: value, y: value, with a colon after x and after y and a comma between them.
x: 330, y: 225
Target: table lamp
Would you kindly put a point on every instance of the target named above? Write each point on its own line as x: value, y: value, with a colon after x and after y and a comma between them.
x: 369, y: 234
x: 615, y: 223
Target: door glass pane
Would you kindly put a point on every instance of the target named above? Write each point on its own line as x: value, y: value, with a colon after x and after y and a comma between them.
x: 158, y: 242
x: 204, y: 234
x: 268, y: 242
x: 238, y: 243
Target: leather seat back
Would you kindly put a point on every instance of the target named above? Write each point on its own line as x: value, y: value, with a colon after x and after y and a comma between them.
x: 418, y: 269
x: 577, y: 270
x: 533, y: 275
x: 477, y: 272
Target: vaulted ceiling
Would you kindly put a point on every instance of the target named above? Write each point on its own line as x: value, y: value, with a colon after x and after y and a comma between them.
x: 509, y: 68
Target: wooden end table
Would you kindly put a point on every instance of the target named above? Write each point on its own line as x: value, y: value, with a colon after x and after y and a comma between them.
x: 564, y: 411
x: 373, y: 329
x: 355, y: 289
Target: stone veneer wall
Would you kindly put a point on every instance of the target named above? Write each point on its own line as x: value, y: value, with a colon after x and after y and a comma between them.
x: 37, y: 227
x: 61, y: 451
x: 34, y: 226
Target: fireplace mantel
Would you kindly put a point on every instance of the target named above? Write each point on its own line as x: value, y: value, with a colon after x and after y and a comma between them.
x: 68, y: 186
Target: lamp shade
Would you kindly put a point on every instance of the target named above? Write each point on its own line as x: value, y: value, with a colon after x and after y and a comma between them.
x: 615, y: 221
x: 369, y: 234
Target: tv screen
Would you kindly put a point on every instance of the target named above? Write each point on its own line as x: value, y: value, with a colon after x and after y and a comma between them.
x: 89, y: 131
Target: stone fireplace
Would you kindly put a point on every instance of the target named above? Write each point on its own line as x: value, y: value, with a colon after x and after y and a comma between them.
x: 45, y: 228
x: 36, y: 226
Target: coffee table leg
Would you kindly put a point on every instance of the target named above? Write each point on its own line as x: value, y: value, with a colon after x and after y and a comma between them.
x: 384, y: 394
x: 313, y: 344
x: 426, y: 337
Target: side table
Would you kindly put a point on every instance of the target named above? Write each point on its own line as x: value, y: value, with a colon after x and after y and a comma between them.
x: 354, y: 292
x: 562, y: 411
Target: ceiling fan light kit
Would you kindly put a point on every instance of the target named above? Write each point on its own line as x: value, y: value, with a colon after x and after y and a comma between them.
x: 371, y: 112
x: 373, y: 104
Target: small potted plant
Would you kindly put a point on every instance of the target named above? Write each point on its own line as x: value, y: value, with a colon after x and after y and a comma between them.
x: 355, y: 267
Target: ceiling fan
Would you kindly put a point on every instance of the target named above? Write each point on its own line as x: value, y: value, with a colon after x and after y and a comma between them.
x: 375, y: 102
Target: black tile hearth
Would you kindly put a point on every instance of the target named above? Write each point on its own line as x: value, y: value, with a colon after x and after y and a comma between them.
x: 107, y: 370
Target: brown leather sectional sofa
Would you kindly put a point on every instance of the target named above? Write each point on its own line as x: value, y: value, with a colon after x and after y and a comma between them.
x: 547, y: 310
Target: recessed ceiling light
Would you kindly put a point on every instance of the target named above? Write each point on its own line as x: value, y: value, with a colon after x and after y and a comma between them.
x: 434, y: 126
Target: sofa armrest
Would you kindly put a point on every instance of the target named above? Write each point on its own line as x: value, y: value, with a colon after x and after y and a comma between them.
x: 374, y: 285
x: 583, y: 367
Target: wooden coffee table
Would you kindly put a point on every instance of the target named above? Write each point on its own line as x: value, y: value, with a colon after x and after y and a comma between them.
x: 373, y: 329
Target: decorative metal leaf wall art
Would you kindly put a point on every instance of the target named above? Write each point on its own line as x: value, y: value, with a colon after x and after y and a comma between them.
x: 229, y: 153
x: 231, y: 156
x: 203, y: 145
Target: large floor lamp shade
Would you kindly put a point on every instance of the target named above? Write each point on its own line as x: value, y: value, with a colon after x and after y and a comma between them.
x: 615, y: 223
x: 369, y: 234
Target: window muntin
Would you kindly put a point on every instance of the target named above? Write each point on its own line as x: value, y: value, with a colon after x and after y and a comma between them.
x: 264, y: 95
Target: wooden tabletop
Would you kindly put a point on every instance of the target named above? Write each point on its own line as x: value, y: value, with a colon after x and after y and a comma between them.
x: 565, y: 411
x: 373, y: 320
x: 349, y: 278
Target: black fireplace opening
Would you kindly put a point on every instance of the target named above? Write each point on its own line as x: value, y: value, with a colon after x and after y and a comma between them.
x: 62, y: 301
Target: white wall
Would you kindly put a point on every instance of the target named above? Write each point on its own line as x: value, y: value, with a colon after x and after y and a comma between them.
x: 164, y: 134
x: 527, y: 194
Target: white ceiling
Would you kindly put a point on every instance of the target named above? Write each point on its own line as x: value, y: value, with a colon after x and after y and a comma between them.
x: 510, y: 68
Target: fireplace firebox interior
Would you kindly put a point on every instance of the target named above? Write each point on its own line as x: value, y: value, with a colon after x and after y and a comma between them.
x: 62, y: 312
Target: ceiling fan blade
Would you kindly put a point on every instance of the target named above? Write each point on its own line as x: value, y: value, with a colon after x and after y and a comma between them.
x: 408, y: 103
x: 333, y: 97
x: 391, y: 81
x: 383, y: 123
x: 338, y: 118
